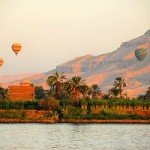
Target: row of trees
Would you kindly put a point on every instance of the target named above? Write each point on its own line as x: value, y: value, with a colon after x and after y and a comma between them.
x: 75, y: 88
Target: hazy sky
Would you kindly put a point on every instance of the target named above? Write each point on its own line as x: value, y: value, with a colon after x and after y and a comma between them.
x: 55, y: 31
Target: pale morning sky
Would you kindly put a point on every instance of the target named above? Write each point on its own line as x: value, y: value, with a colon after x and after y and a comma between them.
x: 55, y: 31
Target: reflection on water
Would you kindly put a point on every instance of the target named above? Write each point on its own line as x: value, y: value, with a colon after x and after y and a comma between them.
x: 78, y: 137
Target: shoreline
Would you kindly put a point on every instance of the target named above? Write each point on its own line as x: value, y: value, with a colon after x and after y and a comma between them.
x: 14, y: 121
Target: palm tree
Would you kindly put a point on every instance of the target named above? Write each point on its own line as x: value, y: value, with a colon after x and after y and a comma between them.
x: 147, y: 95
x: 119, y: 84
x: 113, y: 92
x: 95, y: 90
x: 85, y: 90
x: 66, y: 90
x: 55, y: 82
x: 3, y: 93
x: 76, y: 85
x: 39, y: 92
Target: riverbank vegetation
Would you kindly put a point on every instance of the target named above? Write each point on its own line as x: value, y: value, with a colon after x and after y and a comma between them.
x: 70, y: 100
x: 67, y: 109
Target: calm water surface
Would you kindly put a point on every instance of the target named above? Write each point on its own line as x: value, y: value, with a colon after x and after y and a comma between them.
x: 74, y: 137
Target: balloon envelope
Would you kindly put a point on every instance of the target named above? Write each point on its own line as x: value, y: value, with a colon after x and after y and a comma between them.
x: 1, y: 62
x: 16, y: 47
x: 140, y: 54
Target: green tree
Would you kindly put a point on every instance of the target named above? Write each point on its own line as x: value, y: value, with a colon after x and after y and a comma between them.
x: 49, y: 104
x: 76, y: 86
x: 85, y: 90
x: 65, y: 92
x: 119, y: 84
x: 39, y: 92
x: 113, y: 92
x: 95, y: 90
x: 3, y: 93
x: 147, y: 95
x: 56, y: 82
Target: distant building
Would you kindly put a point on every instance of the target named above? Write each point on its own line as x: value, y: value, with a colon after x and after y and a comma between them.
x: 23, y: 92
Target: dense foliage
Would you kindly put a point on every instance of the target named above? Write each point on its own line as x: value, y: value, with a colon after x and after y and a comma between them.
x: 39, y: 92
x: 33, y: 105
x: 9, y: 114
x: 54, y: 104
x: 3, y: 93
x: 73, y: 99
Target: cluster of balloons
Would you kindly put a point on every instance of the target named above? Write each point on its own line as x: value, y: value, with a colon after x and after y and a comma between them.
x: 140, y: 54
x: 16, y: 47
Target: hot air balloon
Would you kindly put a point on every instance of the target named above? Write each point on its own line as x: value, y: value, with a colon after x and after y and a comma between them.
x: 140, y: 54
x: 16, y: 47
x: 1, y: 62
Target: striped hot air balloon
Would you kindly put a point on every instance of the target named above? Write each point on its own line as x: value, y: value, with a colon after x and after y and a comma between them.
x: 16, y: 47
x: 1, y: 62
x: 140, y: 54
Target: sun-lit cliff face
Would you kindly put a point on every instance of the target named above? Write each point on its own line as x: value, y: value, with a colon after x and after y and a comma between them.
x: 103, y: 69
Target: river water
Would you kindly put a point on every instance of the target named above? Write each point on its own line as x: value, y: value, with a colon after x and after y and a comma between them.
x: 74, y: 137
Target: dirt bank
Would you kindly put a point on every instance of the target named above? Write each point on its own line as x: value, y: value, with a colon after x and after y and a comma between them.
x: 48, y: 121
